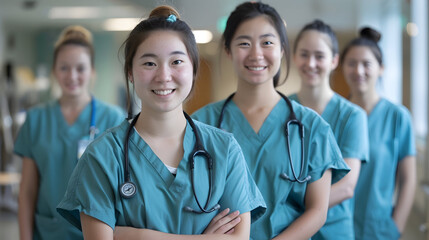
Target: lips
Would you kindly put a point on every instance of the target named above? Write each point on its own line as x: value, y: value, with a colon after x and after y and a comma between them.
x: 163, y: 92
x: 256, y: 68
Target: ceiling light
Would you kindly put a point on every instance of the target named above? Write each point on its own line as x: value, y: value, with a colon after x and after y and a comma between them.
x: 203, y: 36
x: 120, y: 24
x: 74, y: 12
x: 412, y: 29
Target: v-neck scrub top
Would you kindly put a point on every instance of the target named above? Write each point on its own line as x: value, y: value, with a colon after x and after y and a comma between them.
x: 267, y: 157
x: 46, y: 138
x: 161, y: 197
x: 349, y: 125
x: 391, y: 139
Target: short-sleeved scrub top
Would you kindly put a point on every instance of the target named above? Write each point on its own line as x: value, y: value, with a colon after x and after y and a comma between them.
x: 267, y: 157
x: 391, y: 139
x: 349, y: 125
x: 52, y: 143
x: 161, y: 198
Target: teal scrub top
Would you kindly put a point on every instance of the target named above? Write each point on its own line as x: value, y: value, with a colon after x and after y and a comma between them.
x: 349, y: 125
x: 267, y: 157
x: 391, y: 139
x: 47, y: 138
x: 161, y: 197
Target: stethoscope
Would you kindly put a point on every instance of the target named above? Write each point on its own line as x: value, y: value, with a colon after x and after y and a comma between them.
x: 83, y: 143
x: 292, y: 120
x: 128, y: 188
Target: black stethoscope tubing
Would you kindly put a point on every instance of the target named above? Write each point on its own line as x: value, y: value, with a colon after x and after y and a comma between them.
x: 128, y: 188
x: 291, y: 120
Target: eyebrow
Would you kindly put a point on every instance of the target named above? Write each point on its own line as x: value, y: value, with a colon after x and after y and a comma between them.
x: 154, y: 55
x: 260, y: 37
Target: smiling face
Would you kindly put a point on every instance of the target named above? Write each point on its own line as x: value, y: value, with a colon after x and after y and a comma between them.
x: 73, y: 70
x: 314, y: 58
x: 361, y: 70
x: 256, y: 51
x: 162, y: 72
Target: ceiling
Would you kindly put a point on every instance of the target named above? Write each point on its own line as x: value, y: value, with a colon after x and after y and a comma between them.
x: 32, y: 15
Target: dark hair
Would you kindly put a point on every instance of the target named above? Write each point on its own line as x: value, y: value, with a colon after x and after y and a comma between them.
x: 158, y: 21
x: 249, y: 10
x: 319, y: 26
x: 75, y: 35
x: 368, y: 38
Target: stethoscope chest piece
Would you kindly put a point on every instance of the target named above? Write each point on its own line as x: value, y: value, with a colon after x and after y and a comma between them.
x: 127, y: 189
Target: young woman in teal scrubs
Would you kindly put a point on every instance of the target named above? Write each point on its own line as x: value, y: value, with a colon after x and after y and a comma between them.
x: 297, y: 197
x: 315, y: 55
x: 172, y: 197
x: 392, y: 163
x: 54, y: 136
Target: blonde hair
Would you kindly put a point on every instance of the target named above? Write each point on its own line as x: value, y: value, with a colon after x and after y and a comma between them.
x: 75, y: 35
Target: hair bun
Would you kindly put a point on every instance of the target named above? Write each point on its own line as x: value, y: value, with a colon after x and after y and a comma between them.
x: 75, y: 33
x: 370, y: 34
x: 163, y: 12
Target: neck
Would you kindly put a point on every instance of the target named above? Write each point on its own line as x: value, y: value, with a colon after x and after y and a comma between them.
x: 161, y: 125
x: 256, y: 97
x: 366, y: 100
x: 316, y: 98
x: 74, y: 103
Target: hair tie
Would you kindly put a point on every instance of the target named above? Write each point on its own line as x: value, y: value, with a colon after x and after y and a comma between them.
x: 171, y: 18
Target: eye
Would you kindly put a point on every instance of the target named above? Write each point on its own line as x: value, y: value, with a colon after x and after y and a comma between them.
x: 177, y: 62
x: 81, y: 69
x: 367, y: 64
x: 243, y: 44
x: 320, y: 57
x: 266, y: 43
x: 149, y: 64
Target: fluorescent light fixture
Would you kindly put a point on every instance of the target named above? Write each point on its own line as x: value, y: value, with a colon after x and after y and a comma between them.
x: 412, y: 29
x: 203, y: 36
x: 120, y: 24
x: 74, y: 12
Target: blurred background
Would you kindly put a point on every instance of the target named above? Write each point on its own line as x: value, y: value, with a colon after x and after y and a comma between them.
x: 29, y: 28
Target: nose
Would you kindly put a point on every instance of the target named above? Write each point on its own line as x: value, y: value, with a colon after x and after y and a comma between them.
x: 311, y: 61
x: 164, y: 74
x: 256, y: 53
x: 73, y: 74
x: 360, y: 69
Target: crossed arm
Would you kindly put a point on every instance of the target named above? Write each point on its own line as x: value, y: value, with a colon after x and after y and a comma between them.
x: 236, y: 226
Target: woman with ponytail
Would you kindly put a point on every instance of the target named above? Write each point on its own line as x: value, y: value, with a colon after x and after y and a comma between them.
x: 55, y: 135
x: 164, y: 175
x: 392, y: 162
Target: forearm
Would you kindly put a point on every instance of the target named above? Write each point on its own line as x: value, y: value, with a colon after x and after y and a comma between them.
x: 305, y: 226
x: 345, y: 188
x: 241, y: 231
x: 26, y: 217
x: 406, y: 190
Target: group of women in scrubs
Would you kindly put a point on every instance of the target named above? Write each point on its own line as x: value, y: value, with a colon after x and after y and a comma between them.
x: 54, y: 135
x: 392, y: 163
x: 315, y: 54
x: 175, y: 197
x: 266, y: 168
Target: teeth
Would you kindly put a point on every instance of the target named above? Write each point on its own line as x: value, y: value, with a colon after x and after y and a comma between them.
x: 256, y: 68
x: 162, y: 92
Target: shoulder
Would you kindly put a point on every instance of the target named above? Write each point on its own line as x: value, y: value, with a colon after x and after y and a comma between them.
x: 397, y: 109
x: 211, y: 108
x: 110, y: 140
x: 348, y: 109
x: 109, y: 108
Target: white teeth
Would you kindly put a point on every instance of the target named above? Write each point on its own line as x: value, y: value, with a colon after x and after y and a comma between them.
x: 162, y: 92
x: 256, y: 68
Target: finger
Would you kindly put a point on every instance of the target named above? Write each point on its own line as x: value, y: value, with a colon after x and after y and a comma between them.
x: 228, y: 226
x: 228, y: 218
x: 220, y: 215
x: 231, y: 231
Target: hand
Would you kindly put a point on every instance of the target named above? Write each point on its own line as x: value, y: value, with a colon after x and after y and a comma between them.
x: 223, y: 223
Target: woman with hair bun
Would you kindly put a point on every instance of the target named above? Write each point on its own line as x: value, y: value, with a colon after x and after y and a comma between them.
x: 54, y: 136
x: 162, y: 175
x: 392, y: 162
x: 315, y: 54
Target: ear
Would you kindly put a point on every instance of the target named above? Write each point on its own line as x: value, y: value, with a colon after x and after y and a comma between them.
x: 381, y: 71
x: 130, y: 78
x: 228, y: 54
x: 335, y: 61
